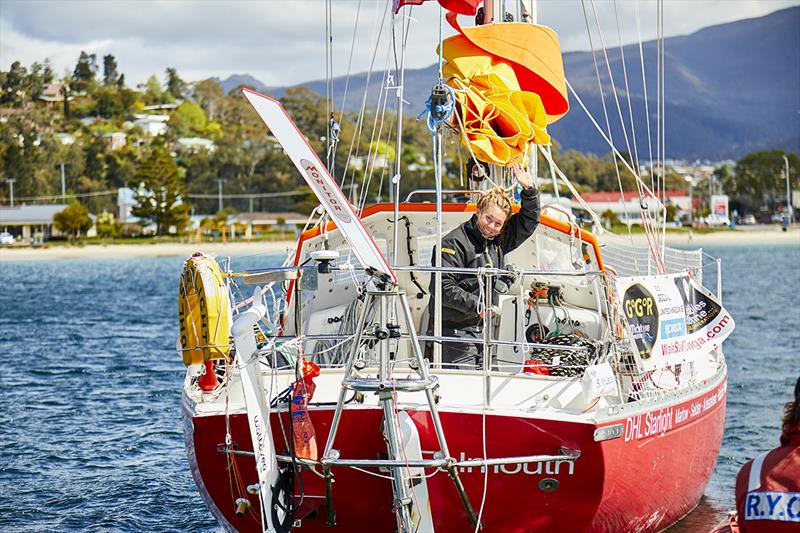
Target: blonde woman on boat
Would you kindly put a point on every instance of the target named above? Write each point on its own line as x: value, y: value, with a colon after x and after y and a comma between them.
x: 482, y: 241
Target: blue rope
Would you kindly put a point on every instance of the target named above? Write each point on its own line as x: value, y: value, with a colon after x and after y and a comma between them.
x: 444, y: 111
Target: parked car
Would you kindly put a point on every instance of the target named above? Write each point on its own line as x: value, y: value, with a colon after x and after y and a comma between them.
x: 748, y: 220
x: 717, y: 220
x: 6, y: 238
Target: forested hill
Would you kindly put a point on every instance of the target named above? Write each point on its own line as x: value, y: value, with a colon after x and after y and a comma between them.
x: 731, y: 89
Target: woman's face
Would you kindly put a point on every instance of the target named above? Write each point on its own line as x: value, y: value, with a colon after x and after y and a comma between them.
x: 490, y: 221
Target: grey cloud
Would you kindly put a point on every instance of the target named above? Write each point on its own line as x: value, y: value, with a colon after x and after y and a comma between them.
x: 282, y: 42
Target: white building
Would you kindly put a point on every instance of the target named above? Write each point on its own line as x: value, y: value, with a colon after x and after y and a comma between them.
x: 116, y: 139
x: 629, y: 203
x: 152, y: 124
x: 194, y: 145
x: 65, y: 138
x: 30, y: 221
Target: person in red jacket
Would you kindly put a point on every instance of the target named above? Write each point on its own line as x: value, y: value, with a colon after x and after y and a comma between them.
x: 768, y: 487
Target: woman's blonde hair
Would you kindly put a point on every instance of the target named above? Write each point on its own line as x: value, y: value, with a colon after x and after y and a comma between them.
x: 496, y: 196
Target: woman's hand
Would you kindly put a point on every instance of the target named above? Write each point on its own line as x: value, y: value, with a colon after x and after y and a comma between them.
x: 523, y: 177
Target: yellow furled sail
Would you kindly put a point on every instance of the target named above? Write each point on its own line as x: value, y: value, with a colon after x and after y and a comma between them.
x: 204, y: 311
x: 509, y: 82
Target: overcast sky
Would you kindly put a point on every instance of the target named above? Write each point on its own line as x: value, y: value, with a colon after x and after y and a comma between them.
x: 282, y: 42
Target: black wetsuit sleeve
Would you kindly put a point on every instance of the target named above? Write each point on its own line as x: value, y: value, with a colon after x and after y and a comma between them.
x: 523, y: 224
x: 453, y: 295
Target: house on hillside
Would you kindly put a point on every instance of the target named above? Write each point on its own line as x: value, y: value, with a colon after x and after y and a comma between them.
x: 53, y: 94
x: 194, y: 145
x: 163, y: 107
x: 64, y: 138
x: 30, y: 221
x: 152, y: 125
x: 116, y: 139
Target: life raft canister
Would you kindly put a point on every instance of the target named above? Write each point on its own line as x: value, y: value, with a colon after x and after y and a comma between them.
x: 204, y: 311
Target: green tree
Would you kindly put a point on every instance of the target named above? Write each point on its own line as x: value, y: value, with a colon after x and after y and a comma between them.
x: 47, y: 73
x: 159, y: 193
x: 120, y: 167
x: 106, y: 225
x: 307, y: 109
x: 154, y: 94
x: 73, y: 220
x: 175, y: 85
x: 110, y: 74
x: 108, y: 103
x: 609, y: 218
x: 13, y: 85
x: 760, y: 178
x: 85, y: 70
x: 189, y: 119
x: 94, y: 154
x: 209, y: 94
x: 34, y: 83
x: 672, y: 211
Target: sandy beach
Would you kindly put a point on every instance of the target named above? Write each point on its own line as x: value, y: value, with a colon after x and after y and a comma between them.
x: 127, y: 251
x: 759, y: 235
x: 742, y: 236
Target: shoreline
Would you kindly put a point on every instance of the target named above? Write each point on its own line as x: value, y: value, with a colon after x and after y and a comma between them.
x: 129, y: 251
x: 741, y: 237
x: 761, y: 235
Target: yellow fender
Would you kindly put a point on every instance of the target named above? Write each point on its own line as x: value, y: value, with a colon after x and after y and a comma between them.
x: 204, y: 311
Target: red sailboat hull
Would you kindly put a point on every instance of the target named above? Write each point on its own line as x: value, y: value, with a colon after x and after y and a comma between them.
x: 644, y: 480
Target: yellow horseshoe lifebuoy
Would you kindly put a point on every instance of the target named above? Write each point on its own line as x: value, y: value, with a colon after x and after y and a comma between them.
x: 204, y: 311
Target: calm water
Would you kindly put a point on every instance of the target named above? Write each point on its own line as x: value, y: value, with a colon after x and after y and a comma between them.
x: 90, y: 427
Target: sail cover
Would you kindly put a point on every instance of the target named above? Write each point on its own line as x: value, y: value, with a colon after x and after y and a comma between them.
x: 509, y: 83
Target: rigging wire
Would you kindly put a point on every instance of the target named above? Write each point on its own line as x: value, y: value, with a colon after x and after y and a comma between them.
x: 627, y: 90
x: 379, y: 23
x: 647, y: 222
x: 328, y: 75
x: 608, y: 140
x: 646, y: 104
x: 610, y: 76
x: 605, y: 115
x: 624, y: 162
x: 374, y: 147
x: 349, y: 63
x: 398, y: 86
x: 663, y: 125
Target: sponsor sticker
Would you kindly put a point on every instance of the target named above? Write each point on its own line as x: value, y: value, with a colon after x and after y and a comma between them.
x: 660, y: 421
x: 671, y: 319
x: 641, y: 312
x: 778, y: 506
x: 674, y: 327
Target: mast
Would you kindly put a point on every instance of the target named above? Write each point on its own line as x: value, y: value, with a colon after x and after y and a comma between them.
x: 394, y: 188
x: 437, y: 257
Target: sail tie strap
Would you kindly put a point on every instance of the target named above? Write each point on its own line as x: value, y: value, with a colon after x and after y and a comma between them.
x: 438, y: 109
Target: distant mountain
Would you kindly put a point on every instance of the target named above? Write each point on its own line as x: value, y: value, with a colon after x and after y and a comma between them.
x: 235, y: 80
x: 731, y: 89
